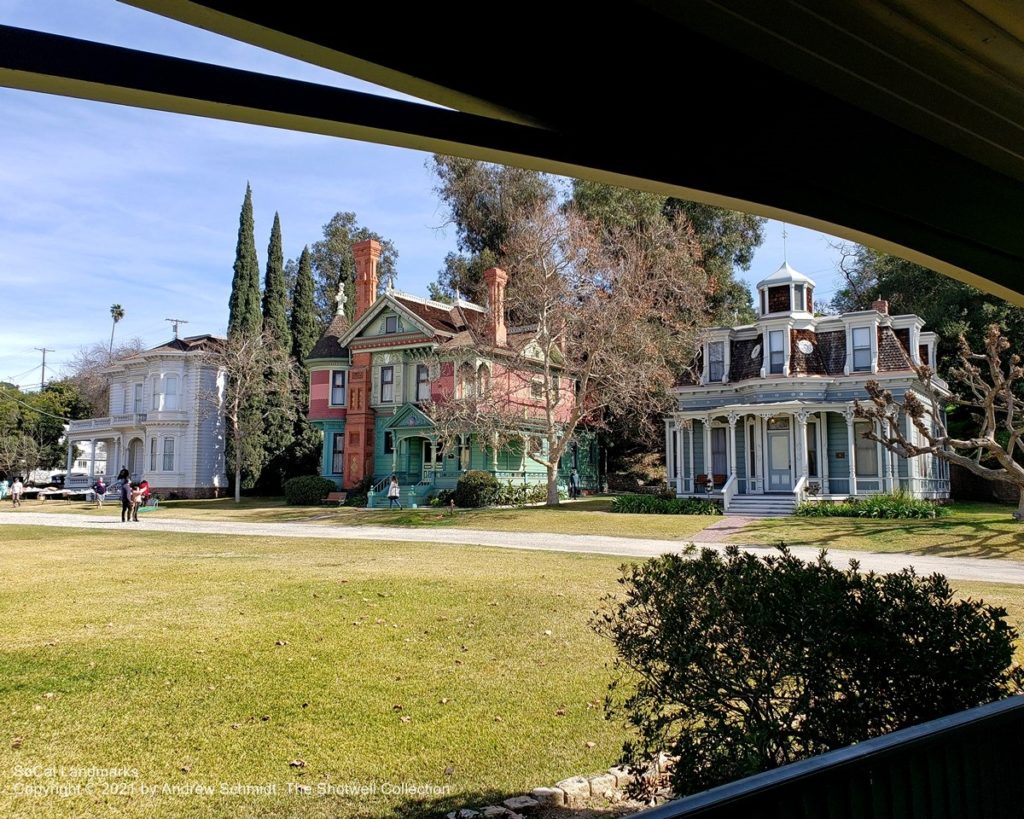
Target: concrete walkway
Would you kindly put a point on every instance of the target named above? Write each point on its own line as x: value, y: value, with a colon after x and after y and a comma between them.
x: 962, y: 568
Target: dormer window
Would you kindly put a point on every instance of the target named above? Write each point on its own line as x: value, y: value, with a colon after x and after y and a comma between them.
x: 777, y: 352
x: 391, y: 324
x: 798, y: 297
x: 716, y: 361
x: 861, y: 349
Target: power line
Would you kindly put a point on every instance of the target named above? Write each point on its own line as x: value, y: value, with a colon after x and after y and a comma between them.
x: 35, y: 409
x: 175, y: 322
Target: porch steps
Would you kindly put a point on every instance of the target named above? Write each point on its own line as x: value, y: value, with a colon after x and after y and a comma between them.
x: 762, y: 506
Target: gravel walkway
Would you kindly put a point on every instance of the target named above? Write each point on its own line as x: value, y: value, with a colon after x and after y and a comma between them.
x: 963, y: 568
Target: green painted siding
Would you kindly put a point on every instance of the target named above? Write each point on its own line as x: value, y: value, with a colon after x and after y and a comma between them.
x: 838, y: 470
x: 698, y: 449
x: 328, y: 428
x: 741, y: 457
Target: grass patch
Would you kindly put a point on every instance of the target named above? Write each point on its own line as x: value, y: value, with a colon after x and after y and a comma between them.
x: 221, y: 659
x: 968, y: 530
x: 592, y: 516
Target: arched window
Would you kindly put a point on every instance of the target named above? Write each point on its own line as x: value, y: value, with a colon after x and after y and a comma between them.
x: 466, y: 381
x: 483, y: 379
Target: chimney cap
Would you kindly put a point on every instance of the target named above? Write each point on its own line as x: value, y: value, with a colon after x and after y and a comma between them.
x: 495, y: 274
x: 881, y: 305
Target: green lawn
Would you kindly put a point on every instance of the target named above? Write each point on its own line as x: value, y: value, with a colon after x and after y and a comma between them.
x: 970, y: 530
x: 586, y: 517
x: 217, y: 659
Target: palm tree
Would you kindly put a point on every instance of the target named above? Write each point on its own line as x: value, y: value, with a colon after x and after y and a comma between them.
x: 116, y: 313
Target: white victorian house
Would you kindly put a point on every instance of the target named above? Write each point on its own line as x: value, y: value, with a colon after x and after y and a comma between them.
x: 766, y: 418
x: 164, y: 422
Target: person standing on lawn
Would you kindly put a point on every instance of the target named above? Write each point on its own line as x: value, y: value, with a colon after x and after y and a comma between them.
x: 16, y: 489
x: 574, y: 484
x: 394, y: 493
x: 99, y: 489
x: 126, y: 501
x: 136, y: 500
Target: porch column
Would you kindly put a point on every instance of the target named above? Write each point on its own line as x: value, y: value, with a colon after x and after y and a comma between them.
x: 92, y: 458
x: 851, y: 456
x: 888, y: 456
x: 707, y: 450
x: 823, y: 454
x: 71, y: 456
x: 801, y: 419
x: 669, y: 465
x: 394, y: 453
x: 689, y: 430
x: 732, y: 417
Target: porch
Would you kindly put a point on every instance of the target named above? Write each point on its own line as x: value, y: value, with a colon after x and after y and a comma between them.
x: 114, y: 441
x: 799, y: 450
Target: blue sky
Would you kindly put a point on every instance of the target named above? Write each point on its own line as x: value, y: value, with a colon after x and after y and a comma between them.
x: 101, y: 203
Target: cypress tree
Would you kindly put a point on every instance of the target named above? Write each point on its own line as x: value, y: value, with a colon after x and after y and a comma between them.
x: 275, y: 296
x: 304, y: 326
x: 244, y: 305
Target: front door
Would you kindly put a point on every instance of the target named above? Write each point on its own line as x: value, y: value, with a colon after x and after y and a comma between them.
x: 433, y: 459
x: 719, y: 455
x: 779, y: 467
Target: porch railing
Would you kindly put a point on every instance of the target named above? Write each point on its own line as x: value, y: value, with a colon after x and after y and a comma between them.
x: 88, y: 423
x: 963, y: 765
x: 728, y: 492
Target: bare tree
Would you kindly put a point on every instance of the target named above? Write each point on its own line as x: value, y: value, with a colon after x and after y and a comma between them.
x: 987, y: 389
x: 87, y: 366
x: 614, y: 317
x: 19, y: 454
x: 254, y: 368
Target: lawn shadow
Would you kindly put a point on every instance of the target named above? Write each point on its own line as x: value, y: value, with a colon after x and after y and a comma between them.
x: 478, y: 800
x: 956, y: 537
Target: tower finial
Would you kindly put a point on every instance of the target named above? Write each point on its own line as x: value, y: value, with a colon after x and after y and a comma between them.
x: 340, y: 299
x: 785, y: 255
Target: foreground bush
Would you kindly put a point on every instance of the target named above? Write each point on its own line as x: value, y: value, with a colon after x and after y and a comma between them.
x: 739, y: 664
x: 307, y: 490
x: 653, y: 505
x: 476, y: 488
x: 894, y: 506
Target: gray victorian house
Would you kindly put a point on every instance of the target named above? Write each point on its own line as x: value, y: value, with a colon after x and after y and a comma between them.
x: 766, y: 419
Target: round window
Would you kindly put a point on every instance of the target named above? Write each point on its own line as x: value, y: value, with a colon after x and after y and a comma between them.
x: 804, y: 346
x: 756, y: 351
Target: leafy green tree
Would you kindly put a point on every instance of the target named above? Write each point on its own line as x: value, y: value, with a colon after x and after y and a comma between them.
x: 739, y: 664
x: 949, y: 307
x: 482, y: 200
x: 302, y: 456
x: 275, y: 293
x: 40, y: 417
x: 244, y: 314
x: 303, y: 325
x: 333, y: 264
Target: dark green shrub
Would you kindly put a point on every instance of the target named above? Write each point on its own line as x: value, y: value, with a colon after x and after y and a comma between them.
x: 476, y: 488
x: 892, y: 506
x: 307, y: 490
x: 358, y: 495
x: 443, y: 498
x: 654, y: 505
x: 739, y: 664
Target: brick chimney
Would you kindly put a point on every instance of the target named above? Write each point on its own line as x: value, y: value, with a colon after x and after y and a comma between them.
x: 881, y: 305
x: 496, y: 279
x: 366, y: 254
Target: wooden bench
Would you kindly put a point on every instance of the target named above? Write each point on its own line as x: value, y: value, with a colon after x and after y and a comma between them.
x: 337, y: 498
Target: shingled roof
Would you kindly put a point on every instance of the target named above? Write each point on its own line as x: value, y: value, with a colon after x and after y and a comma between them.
x: 189, y: 344
x: 328, y: 345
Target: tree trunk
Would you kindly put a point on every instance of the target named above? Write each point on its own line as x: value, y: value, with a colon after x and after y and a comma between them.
x: 553, y: 485
x: 1019, y: 514
x: 238, y: 483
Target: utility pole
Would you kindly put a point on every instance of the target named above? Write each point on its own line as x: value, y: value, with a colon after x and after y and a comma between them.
x: 42, y: 378
x: 176, y: 322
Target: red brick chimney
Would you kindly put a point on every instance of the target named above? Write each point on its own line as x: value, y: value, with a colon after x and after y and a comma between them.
x: 496, y: 279
x: 881, y: 305
x: 366, y: 254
